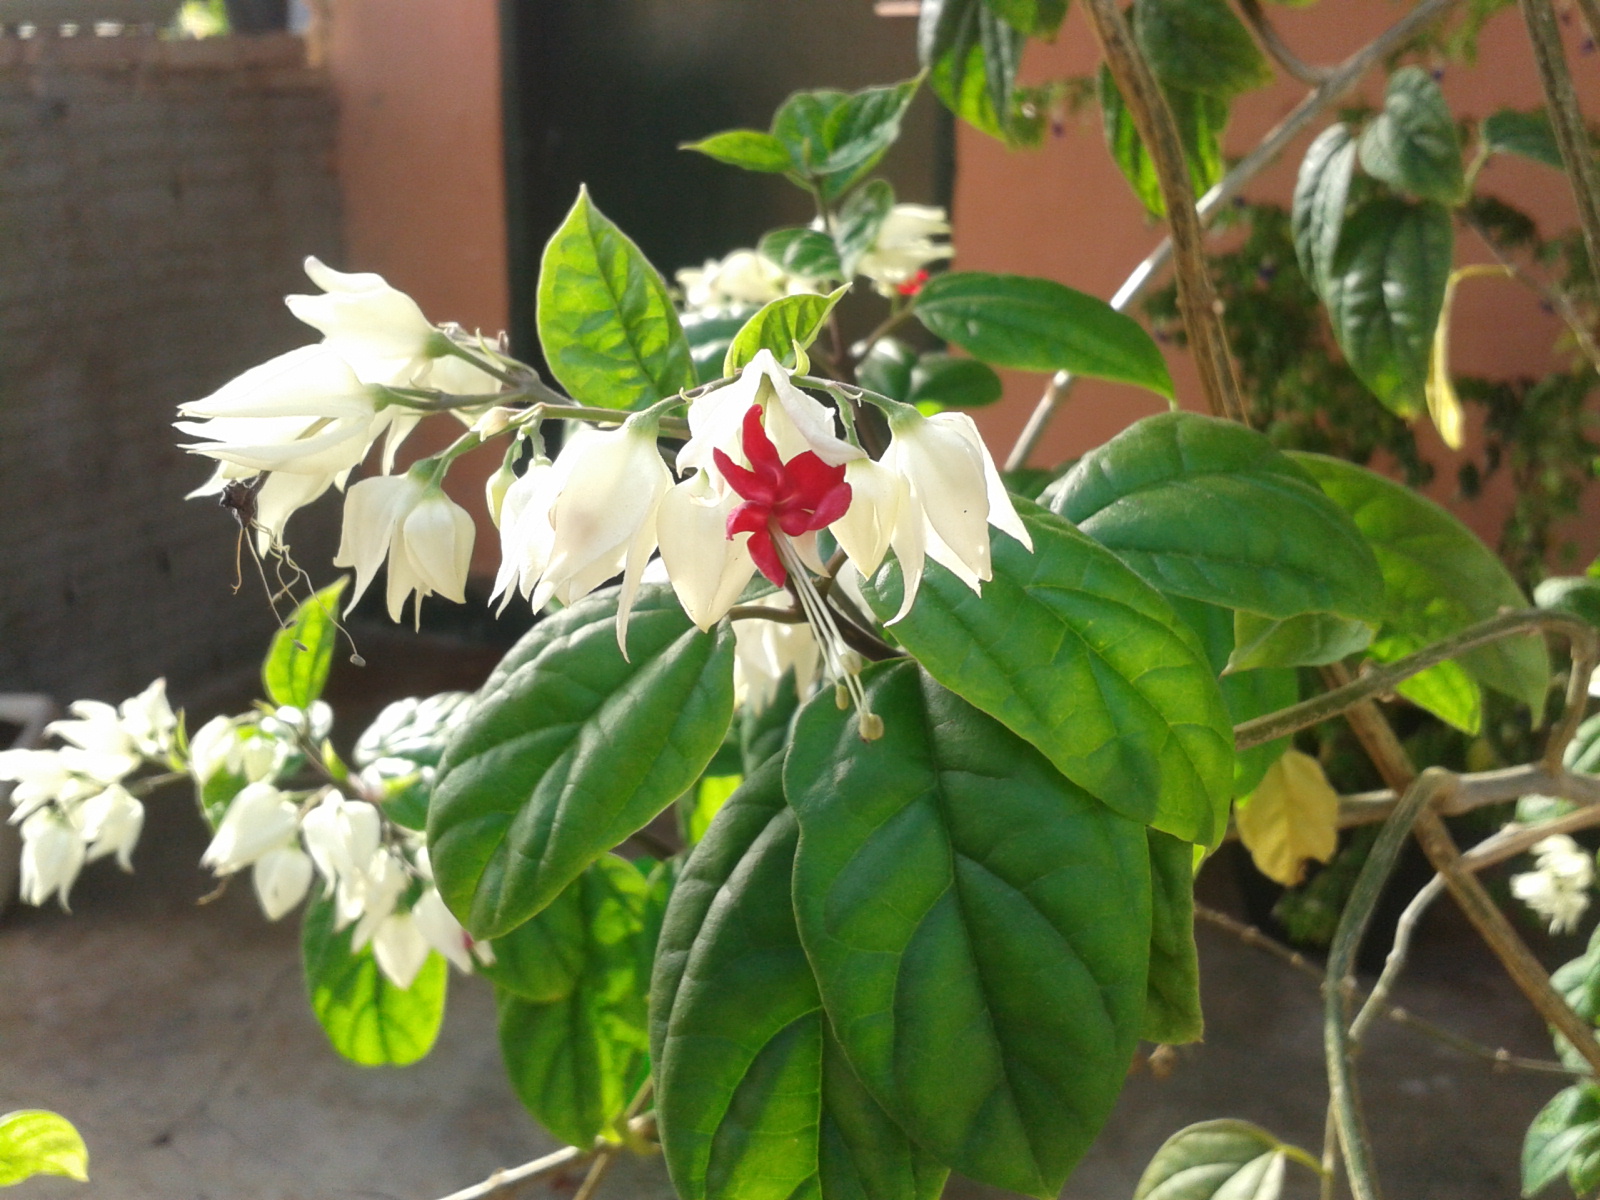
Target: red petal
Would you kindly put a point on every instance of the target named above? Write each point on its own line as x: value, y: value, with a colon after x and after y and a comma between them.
x: 766, y: 555
x: 747, y: 484
x: 812, y: 478
x: 758, y: 447
x: 747, y: 518
x: 831, y: 507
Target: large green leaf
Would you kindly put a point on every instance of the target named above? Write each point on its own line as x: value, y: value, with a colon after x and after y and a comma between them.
x: 367, y: 1018
x: 1524, y: 133
x: 809, y: 253
x: 1564, y: 1134
x: 1201, y: 118
x: 952, y: 382
x: 1199, y: 45
x: 1040, y: 325
x: 1073, y: 651
x: 749, y: 149
x: 1218, y: 1160
x: 780, y: 326
x: 860, y: 220
x: 606, y: 321
x: 1307, y: 640
x: 1321, y: 192
x: 774, y: 1111
x: 296, y: 667
x: 979, y: 928
x: 1172, y: 996
x: 1211, y: 510
x: 570, y: 748
x: 1438, y: 579
x: 1413, y: 145
x: 972, y: 54
x: 36, y: 1142
x: 577, y: 1060
x: 1384, y: 291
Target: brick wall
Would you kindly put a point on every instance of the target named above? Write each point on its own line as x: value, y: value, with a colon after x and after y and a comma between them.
x: 155, y: 201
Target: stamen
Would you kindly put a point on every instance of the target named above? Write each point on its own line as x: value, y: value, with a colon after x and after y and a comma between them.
x: 838, y: 659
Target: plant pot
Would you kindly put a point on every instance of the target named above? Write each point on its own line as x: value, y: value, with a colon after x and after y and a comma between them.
x: 25, y: 715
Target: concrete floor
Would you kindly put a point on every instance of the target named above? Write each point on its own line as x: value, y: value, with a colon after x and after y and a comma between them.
x: 178, y: 1039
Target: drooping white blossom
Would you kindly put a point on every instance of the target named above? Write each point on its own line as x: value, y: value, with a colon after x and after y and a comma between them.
x: 742, y: 278
x: 111, y: 823
x: 1558, y: 886
x: 260, y: 818
x: 281, y: 877
x: 707, y: 569
x: 425, y: 537
x: 765, y: 651
x: 910, y: 239
x: 52, y: 855
x: 443, y: 932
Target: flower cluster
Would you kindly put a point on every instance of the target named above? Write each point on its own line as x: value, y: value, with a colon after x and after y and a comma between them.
x: 742, y: 279
x: 307, y: 418
x: 1558, y: 886
x: 72, y: 802
x: 911, y: 239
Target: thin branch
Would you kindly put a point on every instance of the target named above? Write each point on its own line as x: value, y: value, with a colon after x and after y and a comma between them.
x: 1554, y: 297
x: 1353, y: 921
x: 597, y: 1172
x: 1479, y: 790
x: 1498, y: 1057
x: 1378, y: 1001
x: 1566, y: 117
x: 1273, y: 43
x: 760, y: 612
x: 1380, y: 680
x: 1343, y: 78
x: 1152, y: 117
x: 644, y: 1127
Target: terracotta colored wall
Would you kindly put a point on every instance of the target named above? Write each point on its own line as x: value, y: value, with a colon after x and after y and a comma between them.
x: 1064, y: 211
x: 420, y: 165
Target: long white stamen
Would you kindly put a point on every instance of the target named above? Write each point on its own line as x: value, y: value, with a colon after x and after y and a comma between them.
x: 840, y: 661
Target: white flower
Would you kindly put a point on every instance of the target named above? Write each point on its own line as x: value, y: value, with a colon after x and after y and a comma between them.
x: 400, y: 948
x: 744, y: 277
x: 708, y: 569
x: 52, y: 856
x: 98, y: 730
x: 238, y: 746
x: 260, y: 819
x: 953, y: 494
x: 443, y: 932
x: 378, y: 329
x: 342, y: 836
x: 64, y: 776
x: 765, y: 651
x: 377, y: 890
x: 149, y: 721
x: 210, y: 748
x: 111, y: 823
x: 282, y: 877
x: 794, y: 421
x: 585, y: 518
x: 1558, y: 886
x: 425, y: 536
x: 906, y: 245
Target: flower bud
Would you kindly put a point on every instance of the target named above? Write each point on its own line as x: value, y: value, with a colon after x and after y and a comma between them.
x: 260, y: 819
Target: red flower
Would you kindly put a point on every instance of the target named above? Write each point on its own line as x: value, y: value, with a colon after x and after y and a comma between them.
x: 913, y: 285
x: 791, y: 497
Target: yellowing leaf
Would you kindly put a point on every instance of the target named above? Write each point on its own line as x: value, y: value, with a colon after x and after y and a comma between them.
x: 1292, y: 816
x: 1444, y: 406
x: 35, y: 1142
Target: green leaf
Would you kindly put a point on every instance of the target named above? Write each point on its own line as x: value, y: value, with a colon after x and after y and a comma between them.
x: 765, y: 732
x: 1034, y: 18
x: 887, y: 369
x: 1438, y: 579
x: 1213, y: 511
x: 606, y: 321
x: 836, y: 138
x: 775, y: 1111
x: 972, y: 55
x: 1218, y: 1160
x: 1073, y: 651
x: 1449, y: 693
x: 296, y: 667
x: 570, y: 748
x: 1040, y: 325
x: 1308, y: 640
x: 1413, y: 145
x: 541, y: 959
x: 36, y: 1142
x: 952, y: 382
x: 806, y: 252
x: 778, y: 326
x: 1172, y: 996
x: 1201, y: 119
x: 1321, y: 192
x: 749, y: 149
x: 368, y: 1019
x: 1575, y: 594
x: 1566, y: 1129
x: 1584, y: 752
x: 710, y: 333
x: 1524, y: 133
x: 860, y: 219
x: 710, y: 794
x: 1384, y: 292
x: 576, y: 1061
x: 1199, y: 45
x: 979, y: 928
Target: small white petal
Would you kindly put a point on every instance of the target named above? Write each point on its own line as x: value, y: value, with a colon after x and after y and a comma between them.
x: 282, y: 878
x: 400, y: 949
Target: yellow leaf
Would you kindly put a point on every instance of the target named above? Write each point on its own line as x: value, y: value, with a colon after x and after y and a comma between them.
x: 1292, y: 815
x: 1444, y: 406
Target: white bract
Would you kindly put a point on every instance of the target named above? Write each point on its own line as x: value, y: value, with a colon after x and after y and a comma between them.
x: 795, y: 421
x: 742, y: 278
x: 400, y: 948
x: 1558, y: 886
x: 765, y: 651
x: 282, y: 877
x: 111, y: 823
x: 52, y: 855
x: 261, y: 818
x: 908, y: 241
x: 444, y: 933
x: 425, y: 536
